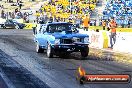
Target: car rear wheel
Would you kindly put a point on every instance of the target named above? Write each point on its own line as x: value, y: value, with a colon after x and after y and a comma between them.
x: 17, y: 27
x: 39, y: 49
x: 84, y: 52
x: 49, y: 51
x: 3, y: 26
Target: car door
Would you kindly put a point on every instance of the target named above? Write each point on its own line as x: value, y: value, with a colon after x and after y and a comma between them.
x: 6, y: 24
x: 44, y: 35
x: 40, y: 37
x: 9, y: 23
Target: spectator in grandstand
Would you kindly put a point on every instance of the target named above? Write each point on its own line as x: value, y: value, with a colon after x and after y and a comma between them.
x: 16, y: 10
x: 20, y: 5
x: 1, y: 7
x: 69, y: 20
x: 2, y: 14
x: 112, y: 26
x: 12, y: 15
x: 95, y: 22
x: 97, y: 30
x: 58, y: 19
x: 49, y: 1
x: 37, y: 16
x: 129, y: 23
x: 104, y: 24
x: 45, y: 18
x: 108, y: 27
x: 18, y: 15
x: 86, y: 22
x: 51, y: 19
x: 54, y: 19
x: 77, y: 21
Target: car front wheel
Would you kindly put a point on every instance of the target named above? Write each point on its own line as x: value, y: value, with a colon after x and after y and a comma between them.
x: 84, y: 52
x: 39, y: 49
x: 49, y: 51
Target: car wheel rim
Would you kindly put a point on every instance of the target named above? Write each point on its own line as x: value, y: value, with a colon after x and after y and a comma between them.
x: 48, y: 50
x: 17, y: 27
x: 37, y: 47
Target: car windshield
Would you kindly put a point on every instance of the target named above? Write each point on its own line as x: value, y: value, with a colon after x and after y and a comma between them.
x: 59, y: 27
x: 14, y: 21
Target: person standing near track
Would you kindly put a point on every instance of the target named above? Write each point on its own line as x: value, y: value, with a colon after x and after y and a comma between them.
x: 104, y: 24
x: 112, y: 26
x: 86, y: 22
x: 37, y: 16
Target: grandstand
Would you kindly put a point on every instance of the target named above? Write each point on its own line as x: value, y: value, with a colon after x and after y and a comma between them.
x: 121, y: 10
x: 64, y: 9
x: 11, y: 6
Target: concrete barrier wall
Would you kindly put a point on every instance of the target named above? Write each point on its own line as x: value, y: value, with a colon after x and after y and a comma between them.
x: 97, y: 39
x: 30, y: 25
x: 123, y: 42
x: 102, y: 40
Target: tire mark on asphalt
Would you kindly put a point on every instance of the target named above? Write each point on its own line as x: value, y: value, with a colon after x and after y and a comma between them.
x: 17, y: 76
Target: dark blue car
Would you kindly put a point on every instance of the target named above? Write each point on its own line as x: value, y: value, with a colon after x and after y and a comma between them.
x: 61, y: 38
x: 12, y: 24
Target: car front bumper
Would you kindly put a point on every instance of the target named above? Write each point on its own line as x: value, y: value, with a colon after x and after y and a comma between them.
x: 69, y: 47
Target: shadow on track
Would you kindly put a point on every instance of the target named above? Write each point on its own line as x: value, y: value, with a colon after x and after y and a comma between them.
x: 77, y: 56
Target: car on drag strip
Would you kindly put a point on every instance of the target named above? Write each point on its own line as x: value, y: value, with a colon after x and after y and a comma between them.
x: 60, y: 38
x: 10, y: 23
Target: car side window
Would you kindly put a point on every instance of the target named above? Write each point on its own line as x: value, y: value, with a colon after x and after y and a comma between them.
x: 9, y: 21
x: 40, y: 30
x: 43, y: 29
x: 50, y: 28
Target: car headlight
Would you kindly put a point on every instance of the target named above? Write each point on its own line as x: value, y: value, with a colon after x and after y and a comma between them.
x: 57, y: 41
x: 86, y: 40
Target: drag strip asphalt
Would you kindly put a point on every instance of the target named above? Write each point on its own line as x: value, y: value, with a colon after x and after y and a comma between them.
x: 55, y: 72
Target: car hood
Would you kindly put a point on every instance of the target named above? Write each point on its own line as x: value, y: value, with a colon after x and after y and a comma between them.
x: 68, y: 35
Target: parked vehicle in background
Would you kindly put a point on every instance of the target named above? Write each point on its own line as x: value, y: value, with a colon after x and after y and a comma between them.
x: 60, y: 38
x: 12, y: 24
x: 2, y: 21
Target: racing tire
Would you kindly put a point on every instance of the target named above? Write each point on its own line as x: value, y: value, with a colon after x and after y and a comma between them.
x: 17, y: 27
x: 84, y: 52
x: 49, y: 51
x: 39, y: 49
x: 3, y: 26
